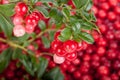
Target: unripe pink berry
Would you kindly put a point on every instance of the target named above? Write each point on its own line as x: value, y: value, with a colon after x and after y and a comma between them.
x: 18, y: 30
x: 58, y: 59
x: 17, y: 20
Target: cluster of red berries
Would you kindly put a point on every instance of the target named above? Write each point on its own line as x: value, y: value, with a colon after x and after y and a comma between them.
x: 23, y: 21
x: 65, y: 50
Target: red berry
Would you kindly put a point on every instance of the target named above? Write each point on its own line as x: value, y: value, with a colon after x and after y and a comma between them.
x: 21, y: 8
x: 36, y: 15
x: 102, y: 14
x: 17, y: 20
x: 80, y: 46
x: 71, y: 56
x: 105, y: 6
x: 31, y: 20
x: 29, y: 29
x: 117, y: 10
x: 55, y: 44
x: 111, y: 16
x: 103, y: 70
x: 70, y: 46
x: 60, y: 51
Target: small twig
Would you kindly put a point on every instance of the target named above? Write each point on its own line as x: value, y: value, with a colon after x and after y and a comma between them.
x: 13, y: 44
x: 40, y: 34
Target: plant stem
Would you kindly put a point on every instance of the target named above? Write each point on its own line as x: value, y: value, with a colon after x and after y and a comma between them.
x: 41, y: 33
x: 13, y: 44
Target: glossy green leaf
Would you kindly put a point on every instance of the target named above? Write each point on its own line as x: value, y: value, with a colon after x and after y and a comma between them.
x: 76, y: 26
x: 89, y: 5
x: 61, y: 38
x: 6, y: 25
x: 51, y: 35
x: 66, y: 32
x: 7, y: 9
x: 80, y: 3
x: 46, y: 42
x: 17, y: 54
x: 33, y: 1
x: 87, y: 25
x: 5, y: 57
x: 93, y: 18
x: 43, y: 63
x: 42, y: 25
x: 56, y: 14
x: 46, y: 0
x: 54, y: 74
x: 86, y: 37
x: 43, y: 11
x: 21, y: 39
x: 26, y: 61
x: 66, y: 12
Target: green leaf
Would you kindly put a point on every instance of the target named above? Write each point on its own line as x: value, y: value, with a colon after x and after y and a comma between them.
x: 93, y: 18
x: 86, y: 37
x: 56, y: 14
x: 17, y: 54
x: 6, y: 25
x: 76, y: 26
x: 46, y: 0
x: 61, y: 38
x: 21, y: 39
x: 89, y: 5
x: 66, y: 12
x: 7, y: 9
x: 54, y: 74
x: 80, y: 3
x: 62, y: 1
x: 46, y: 42
x: 5, y: 57
x: 51, y: 35
x: 43, y: 11
x: 42, y: 25
x: 66, y: 33
x: 33, y: 1
x: 41, y: 67
x: 26, y: 61
x: 87, y: 25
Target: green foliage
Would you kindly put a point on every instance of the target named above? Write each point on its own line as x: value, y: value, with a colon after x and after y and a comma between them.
x: 5, y: 58
x: 46, y: 42
x: 43, y: 11
x: 80, y: 3
x: 6, y: 25
x: 7, y: 9
x: 65, y: 34
x: 86, y: 37
x: 41, y: 67
x: 42, y: 25
x: 53, y: 74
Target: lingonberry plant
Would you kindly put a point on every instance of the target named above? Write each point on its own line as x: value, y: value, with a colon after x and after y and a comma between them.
x: 33, y: 29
